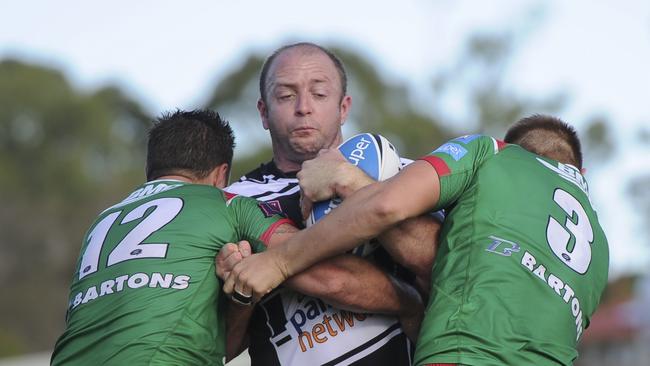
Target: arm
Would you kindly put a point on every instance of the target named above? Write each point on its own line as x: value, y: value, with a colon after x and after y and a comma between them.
x: 237, y: 316
x: 347, y: 281
x: 412, y: 243
x: 353, y: 283
x: 362, y: 216
x: 237, y: 319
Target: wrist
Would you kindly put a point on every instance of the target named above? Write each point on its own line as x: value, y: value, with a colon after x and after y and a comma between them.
x: 350, y: 179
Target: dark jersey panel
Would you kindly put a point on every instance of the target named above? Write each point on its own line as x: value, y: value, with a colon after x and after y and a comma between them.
x: 289, y: 328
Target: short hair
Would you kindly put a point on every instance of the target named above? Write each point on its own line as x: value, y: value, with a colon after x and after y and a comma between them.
x: 547, y: 136
x: 188, y: 142
x: 306, y: 45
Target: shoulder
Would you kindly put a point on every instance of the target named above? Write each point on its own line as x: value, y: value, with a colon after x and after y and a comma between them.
x: 264, y: 183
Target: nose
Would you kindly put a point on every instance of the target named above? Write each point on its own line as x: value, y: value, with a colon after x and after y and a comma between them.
x: 303, y: 105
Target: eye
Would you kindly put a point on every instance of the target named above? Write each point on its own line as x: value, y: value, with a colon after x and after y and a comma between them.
x: 285, y: 97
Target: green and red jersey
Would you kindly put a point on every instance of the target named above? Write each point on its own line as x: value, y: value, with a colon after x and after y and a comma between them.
x: 522, y: 261
x: 145, y: 290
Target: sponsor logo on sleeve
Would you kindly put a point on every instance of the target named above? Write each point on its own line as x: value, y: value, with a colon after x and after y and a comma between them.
x: 271, y: 208
x: 454, y: 150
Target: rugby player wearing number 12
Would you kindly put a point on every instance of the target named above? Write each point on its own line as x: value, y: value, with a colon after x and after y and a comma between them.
x: 144, y: 291
x: 522, y: 261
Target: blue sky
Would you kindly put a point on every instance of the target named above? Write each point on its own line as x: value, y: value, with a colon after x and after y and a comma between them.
x: 169, y: 54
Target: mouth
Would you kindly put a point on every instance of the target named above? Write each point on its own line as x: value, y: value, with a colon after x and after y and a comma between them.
x: 303, y: 131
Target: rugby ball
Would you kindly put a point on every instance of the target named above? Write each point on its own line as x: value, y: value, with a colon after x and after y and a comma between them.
x: 377, y: 157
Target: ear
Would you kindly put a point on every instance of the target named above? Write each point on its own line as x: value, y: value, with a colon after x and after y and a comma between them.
x: 346, y: 103
x: 220, y: 176
x: 264, y: 113
x: 583, y: 171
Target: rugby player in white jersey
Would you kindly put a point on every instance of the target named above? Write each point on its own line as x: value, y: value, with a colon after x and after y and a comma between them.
x: 346, y: 309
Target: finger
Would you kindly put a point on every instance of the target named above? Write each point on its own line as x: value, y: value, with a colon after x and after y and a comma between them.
x: 242, y: 289
x: 305, y: 207
x: 224, y: 274
x: 242, y: 293
x: 232, y: 261
x: 301, y: 175
x: 242, y: 299
x: 227, y: 250
x: 221, y: 267
x: 245, y: 248
x: 229, y: 284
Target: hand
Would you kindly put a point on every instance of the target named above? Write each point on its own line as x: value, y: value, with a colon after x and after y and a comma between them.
x: 305, y: 206
x: 318, y: 177
x: 229, y: 255
x: 257, y: 274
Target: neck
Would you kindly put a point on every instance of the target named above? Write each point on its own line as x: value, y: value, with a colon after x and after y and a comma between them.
x: 288, y: 161
x: 285, y: 165
x: 182, y: 178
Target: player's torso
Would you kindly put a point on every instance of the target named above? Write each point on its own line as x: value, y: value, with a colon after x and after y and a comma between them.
x: 146, y: 286
x: 289, y: 328
x: 524, y: 246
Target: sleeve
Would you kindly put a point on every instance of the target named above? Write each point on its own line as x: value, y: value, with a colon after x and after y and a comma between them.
x: 457, y: 162
x: 255, y: 221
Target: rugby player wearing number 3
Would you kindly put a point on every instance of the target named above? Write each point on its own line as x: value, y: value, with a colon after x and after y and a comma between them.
x: 522, y: 261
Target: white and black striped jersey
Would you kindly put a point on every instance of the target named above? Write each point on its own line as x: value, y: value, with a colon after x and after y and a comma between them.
x: 288, y: 328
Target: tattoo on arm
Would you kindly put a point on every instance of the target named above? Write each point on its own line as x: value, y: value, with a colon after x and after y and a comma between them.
x: 285, y: 229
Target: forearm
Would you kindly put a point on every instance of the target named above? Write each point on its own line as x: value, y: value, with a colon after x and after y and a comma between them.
x: 364, y: 215
x: 413, y: 243
x: 237, y: 320
x: 355, y: 284
x: 331, y: 236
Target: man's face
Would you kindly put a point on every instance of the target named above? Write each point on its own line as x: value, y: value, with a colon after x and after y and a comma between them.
x: 304, y: 110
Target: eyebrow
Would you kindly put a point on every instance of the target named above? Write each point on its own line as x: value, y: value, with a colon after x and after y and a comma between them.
x: 275, y: 84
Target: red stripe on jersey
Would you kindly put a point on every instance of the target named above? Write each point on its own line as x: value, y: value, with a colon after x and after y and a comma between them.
x: 229, y: 197
x: 500, y: 144
x: 267, y: 234
x: 438, y: 164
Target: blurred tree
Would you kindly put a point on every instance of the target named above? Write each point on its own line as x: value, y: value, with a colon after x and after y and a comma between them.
x: 388, y: 108
x: 64, y: 154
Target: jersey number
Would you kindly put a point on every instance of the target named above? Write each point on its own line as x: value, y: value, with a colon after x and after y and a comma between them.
x: 130, y: 247
x: 559, y: 236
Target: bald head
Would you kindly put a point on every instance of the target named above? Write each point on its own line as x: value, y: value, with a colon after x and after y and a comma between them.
x: 547, y: 136
x: 305, y: 48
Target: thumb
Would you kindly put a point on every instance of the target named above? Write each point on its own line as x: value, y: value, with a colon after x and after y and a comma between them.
x: 305, y: 207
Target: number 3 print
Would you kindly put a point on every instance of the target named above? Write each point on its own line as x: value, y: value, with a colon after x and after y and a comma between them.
x: 559, y: 236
